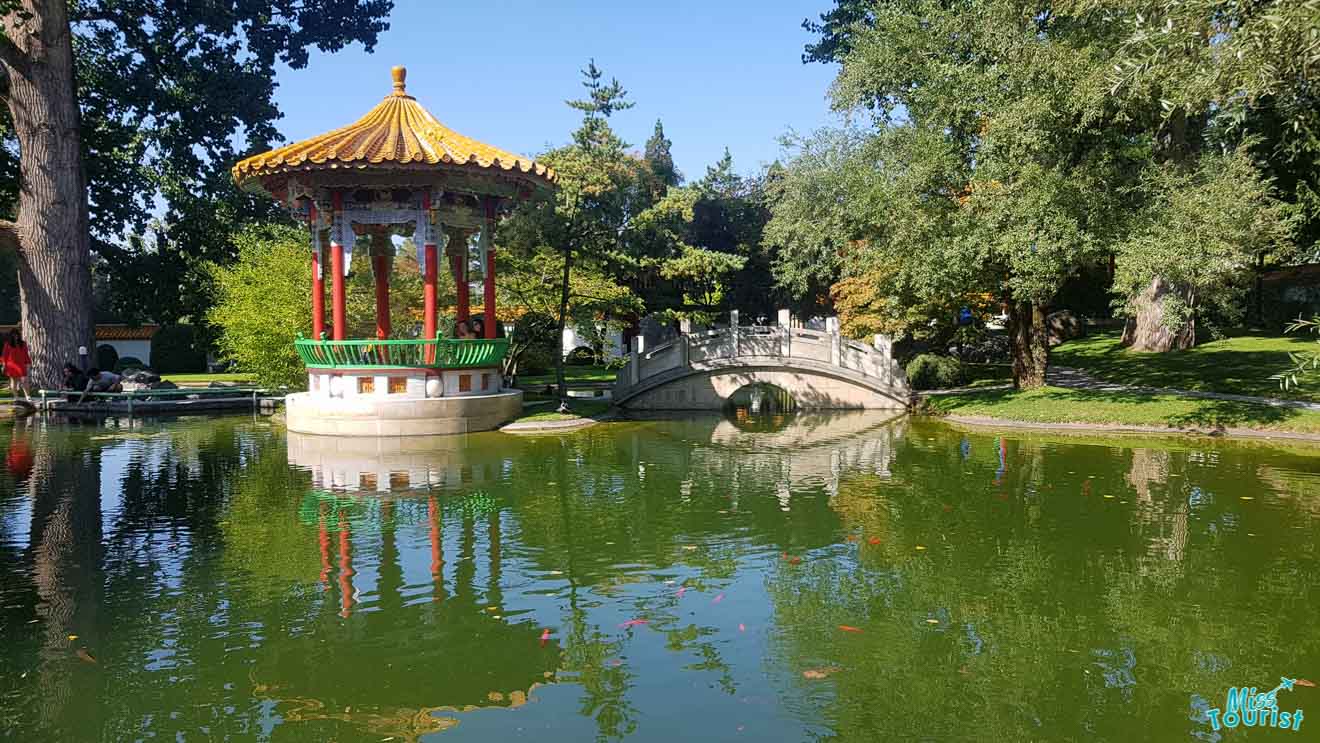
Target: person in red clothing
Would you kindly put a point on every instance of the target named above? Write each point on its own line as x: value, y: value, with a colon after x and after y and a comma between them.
x: 16, y: 362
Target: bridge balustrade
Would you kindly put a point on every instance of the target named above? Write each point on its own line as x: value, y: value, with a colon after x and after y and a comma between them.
x: 755, y: 345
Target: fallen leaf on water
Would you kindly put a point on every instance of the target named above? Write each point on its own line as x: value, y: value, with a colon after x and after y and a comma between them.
x: 794, y: 560
x: 849, y: 628
x: 947, y: 508
x: 964, y: 671
x: 614, y: 663
x: 1304, y: 682
x: 1247, y: 497
x: 1109, y: 496
x: 689, y: 547
x: 932, y: 621
x: 632, y: 623
x: 718, y: 599
x: 682, y: 590
x: 85, y: 656
x: 72, y: 638
x: 820, y: 673
x: 742, y: 628
x: 921, y: 547
x: 851, y: 537
x: 873, y: 541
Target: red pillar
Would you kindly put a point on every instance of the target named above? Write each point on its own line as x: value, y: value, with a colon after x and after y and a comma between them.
x: 430, y: 269
x: 337, y: 274
x: 380, y: 265
x: 318, y: 284
x: 488, y: 284
x: 345, y: 568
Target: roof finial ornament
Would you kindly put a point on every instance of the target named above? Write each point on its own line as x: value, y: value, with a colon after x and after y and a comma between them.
x: 400, y: 75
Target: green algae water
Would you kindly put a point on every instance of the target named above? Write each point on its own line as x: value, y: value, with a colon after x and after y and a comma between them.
x: 790, y: 578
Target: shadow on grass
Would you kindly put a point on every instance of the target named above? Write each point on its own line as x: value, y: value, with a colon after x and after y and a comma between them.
x: 1056, y: 405
x: 1240, y: 365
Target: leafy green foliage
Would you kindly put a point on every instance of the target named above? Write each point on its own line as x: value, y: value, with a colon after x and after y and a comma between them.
x: 264, y: 302
x: 702, y: 274
x: 1303, y: 363
x: 659, y: 158
x: 177, y: 349
x: 1200, y: 232
x: 171, y: 94
x: 1000, y: 149
x: 928, y: 371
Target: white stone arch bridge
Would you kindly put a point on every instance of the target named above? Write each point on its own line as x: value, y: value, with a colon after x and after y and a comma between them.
x: 820, y: 369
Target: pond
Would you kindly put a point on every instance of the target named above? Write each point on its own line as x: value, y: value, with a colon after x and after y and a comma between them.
x: 847, y: 577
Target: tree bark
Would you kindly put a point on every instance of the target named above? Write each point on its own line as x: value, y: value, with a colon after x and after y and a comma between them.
x: 1031, y: 348
x: 52, y: 229
x: 1145, y: 329
x: 563, y: 318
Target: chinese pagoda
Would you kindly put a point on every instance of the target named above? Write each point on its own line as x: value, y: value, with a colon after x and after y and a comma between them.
x: 399, y: 171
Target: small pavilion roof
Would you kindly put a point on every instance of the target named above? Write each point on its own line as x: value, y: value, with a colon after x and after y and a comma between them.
x: 398, y: 134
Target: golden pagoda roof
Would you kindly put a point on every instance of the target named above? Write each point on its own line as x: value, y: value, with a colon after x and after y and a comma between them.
x: 398, y: 133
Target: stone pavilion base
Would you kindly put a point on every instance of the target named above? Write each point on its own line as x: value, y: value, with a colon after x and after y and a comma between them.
x: 307, y: 412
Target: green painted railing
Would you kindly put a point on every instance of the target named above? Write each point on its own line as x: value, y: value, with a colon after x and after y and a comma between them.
x: 441, y: 353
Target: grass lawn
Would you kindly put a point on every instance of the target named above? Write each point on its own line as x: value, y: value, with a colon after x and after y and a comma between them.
x: 581, y: 409
x: 201, y: 380
x: 1241, y: 364
x: 1057, y: 405
x: 571, y: 374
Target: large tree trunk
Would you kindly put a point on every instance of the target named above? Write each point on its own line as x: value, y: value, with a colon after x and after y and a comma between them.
x: 1031, y: 347
x: 52, y: 230
x: 1146, y: 331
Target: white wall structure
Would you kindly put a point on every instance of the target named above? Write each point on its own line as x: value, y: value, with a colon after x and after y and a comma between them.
x: 613, y: 342
x: 138, y: 349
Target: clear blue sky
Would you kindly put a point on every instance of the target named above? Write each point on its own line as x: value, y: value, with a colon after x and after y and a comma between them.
x: 717, y: 72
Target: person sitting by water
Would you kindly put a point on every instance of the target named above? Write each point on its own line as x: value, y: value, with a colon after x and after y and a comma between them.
x: 463, y: 331
x: 74, y: 380
x: 16, y: 362
x: 101, y: 381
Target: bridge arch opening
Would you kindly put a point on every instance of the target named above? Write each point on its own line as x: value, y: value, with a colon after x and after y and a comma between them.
x: 760, y: 406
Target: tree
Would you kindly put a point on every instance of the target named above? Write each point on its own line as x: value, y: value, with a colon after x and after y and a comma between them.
x: 659, y: 158
x: 994, y: 165
x: 729, y: 217
x: 1197, y: 239
x: 529, y: 288
x: 156, y: 104
x: 50, y: 234
x: 601, y: 190
x: 264, y: 302
x: 1226, y: 74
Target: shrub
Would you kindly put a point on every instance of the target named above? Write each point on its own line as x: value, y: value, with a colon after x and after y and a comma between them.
x: 176, y: 350
x: 580, y: 356
x: 128, y: 363
x: 264, y: 302
x: 930, y: 372
x: 106, y: 356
